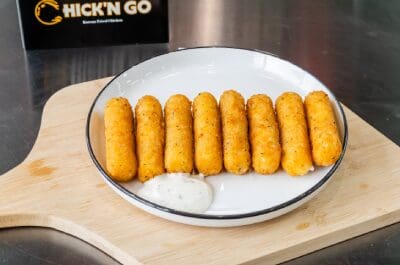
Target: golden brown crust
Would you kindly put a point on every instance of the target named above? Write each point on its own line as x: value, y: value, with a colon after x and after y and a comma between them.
x: 178, y: 135
x: 324, y: 136
x: 264, y: 134
x: 121, y: 163
x: 149, y: 137
x: 207, y: 134
x: 296, y: 154
x: 236, y: 149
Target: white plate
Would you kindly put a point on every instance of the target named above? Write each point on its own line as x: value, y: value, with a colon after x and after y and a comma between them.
x: 238, y: 200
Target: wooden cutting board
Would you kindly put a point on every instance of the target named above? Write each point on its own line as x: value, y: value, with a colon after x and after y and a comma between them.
x: 58, y: 186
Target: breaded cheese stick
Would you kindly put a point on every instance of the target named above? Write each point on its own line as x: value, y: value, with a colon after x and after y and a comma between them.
x: 149, y: 138
x: 264, y: 134
x: 178, y: 135
x: 296, y: 154
x: 121, y: 161
x: 234, y: 133
x: 326, y: 146
x: 207, y: 134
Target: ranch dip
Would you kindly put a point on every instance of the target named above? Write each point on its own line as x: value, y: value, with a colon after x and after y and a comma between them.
x: 178, y: 191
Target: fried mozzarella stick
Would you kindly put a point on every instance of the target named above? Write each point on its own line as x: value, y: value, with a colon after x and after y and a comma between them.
x: 296, y: 154
x: 324, y: 136
x: 178, y: 135
x: 207, y: 134
x: 121, y: 161
x: 149, y: 137
x: 234, y: 132
x: 264, y: 134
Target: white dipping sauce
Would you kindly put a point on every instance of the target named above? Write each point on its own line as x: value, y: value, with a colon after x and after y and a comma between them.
x: 178, y: 191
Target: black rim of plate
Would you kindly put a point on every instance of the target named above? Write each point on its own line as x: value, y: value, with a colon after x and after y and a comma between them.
x: 208, y: 216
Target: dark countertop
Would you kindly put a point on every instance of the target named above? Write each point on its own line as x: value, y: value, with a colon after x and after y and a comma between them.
x: 351, y: 46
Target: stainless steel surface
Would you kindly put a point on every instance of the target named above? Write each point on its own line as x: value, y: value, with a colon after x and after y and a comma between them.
x: 351, y: 46
x: 44, y: 246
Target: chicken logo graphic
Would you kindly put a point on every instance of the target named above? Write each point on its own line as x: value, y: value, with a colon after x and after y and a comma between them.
x: 47, y: 12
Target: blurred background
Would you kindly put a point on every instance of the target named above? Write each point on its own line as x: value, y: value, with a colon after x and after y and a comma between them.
x: 353, y: 46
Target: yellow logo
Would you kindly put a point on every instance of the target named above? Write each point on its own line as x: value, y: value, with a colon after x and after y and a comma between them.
x: 46, y: 12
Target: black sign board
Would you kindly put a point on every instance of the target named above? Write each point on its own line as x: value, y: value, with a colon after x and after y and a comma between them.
x: 78, y: 23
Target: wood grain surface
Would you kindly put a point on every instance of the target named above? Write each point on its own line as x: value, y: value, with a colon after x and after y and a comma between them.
x: 58, y: 186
